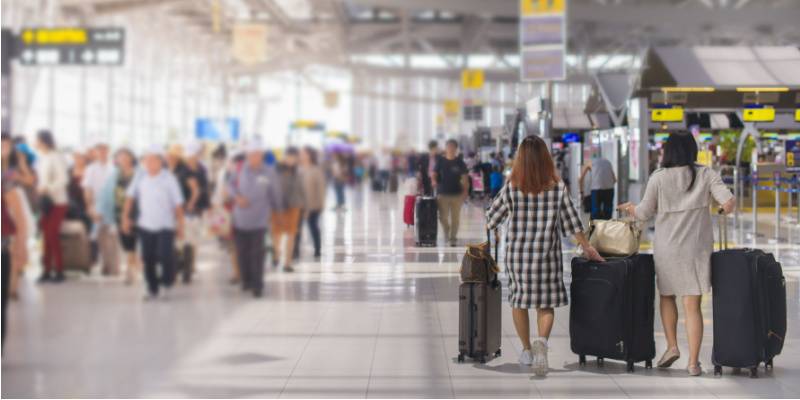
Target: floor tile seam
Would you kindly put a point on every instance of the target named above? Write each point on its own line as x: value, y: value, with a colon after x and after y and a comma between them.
x: 375, y: 346
x: 441, y: 331
x: 310, y: 337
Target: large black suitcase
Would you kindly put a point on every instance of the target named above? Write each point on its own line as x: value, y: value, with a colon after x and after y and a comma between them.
x: 479, y: 318
x: 749, y: 306
x: 612, y: 310
x: 426, y: 215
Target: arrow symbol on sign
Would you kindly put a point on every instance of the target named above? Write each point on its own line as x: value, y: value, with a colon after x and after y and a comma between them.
x: 27, y: 56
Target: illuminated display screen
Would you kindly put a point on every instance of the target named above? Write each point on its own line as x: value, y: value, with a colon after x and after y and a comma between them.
x: 71, y: 46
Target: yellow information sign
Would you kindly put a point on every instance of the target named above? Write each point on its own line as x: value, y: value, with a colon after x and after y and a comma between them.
x: 667, y: 114
x: 451, y: 107
x: 533, y: 7
x: 797, y: 115
x: 472, y: 79
x: 790, y: 159
x: 766, y: 114
x: 54, y: 36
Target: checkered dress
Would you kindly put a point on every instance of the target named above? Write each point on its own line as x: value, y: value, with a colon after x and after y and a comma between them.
x: 533, y: 243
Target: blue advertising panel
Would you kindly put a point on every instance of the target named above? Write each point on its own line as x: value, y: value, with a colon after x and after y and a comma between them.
x: 217, y: 129
x: 570, y: 138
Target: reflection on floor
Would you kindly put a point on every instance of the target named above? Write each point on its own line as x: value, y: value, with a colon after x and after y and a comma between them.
x: 376, y: 317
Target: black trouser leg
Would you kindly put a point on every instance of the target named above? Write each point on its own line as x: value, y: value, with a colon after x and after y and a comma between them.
x: 149, y: 245
x: 298, y: 236
x: 257, y: 255
x: 313, y: 227
x: 166, y: 252
x: 242, y: 251
x: 6, y: 280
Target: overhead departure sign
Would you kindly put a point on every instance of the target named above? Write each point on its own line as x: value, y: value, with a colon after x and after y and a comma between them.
x: 542, y: 39
x: 71, y: 46
x: 666, y: 114
x: 472, y: 79
x: 759, y: 114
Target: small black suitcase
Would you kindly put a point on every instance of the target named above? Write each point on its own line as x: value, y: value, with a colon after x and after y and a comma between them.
x: 426, y: 215
x: 612, y: 310
x: 479, y: 319
x: 749, y: 306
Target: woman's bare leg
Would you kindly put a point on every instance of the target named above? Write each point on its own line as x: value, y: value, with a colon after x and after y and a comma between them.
x: 669, y: 318
x: 694, y: 326
x: 523, y: 324
x: 544, y: 321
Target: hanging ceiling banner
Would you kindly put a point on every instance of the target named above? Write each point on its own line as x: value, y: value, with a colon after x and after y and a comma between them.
x: 249, y: 42
x: 71, y: 46
x: 543, y: 40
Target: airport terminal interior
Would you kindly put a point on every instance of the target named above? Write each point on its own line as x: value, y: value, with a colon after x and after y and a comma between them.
x: 338, y: 104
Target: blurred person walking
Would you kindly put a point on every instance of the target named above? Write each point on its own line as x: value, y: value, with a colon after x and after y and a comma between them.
x: 222, y: 200
x: 78, y: 210
x: 287, y: 220
x: 14, y: 231
x: 384, y: 165
x: 426, y: 166
x: 603, y: 181
x: 339, y: 177
x: 194, y: 182
x: 160, y: 221
x: 110, y: 205
x: 313, y: 179
x: 94, y: 179
x: 14, y: 172
x: 450, y: 180
x: 256, y: 191
x: 53, y: 205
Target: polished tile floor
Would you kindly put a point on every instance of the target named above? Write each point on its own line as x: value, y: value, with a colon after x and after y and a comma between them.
x: 376, y: 317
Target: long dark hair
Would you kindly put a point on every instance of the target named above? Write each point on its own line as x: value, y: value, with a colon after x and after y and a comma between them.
x: 47, y: 139
x: 534, y: 170
x: 681, y: 151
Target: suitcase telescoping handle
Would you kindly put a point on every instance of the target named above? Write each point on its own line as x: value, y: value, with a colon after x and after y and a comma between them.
x: 723, y: 227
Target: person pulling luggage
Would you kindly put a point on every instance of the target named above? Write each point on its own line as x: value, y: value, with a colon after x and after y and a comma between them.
x: 684, y: 240
x: 533, y: 248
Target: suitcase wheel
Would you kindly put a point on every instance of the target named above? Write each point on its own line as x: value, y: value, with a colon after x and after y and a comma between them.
x: 483, y: 359
x: 600, y: 360
x: 754, y: 372
x: 630, y: 366
x: 717, y: 370
x: 648, y: 364
x: 461, y: 358
x: 768, y: 364
x: 498, y: 353
x: 581, y: 359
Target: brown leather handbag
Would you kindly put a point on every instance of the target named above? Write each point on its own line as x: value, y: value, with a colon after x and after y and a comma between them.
x: 478, y: 265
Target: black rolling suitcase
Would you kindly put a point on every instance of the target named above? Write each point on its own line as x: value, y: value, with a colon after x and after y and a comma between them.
x: 183, y: 258
x: 479, y: 315
x: 612, y: 309
x: 749, y: 306
x: 426, y: 215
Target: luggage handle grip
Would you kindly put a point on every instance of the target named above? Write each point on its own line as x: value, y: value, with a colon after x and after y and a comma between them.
x: 723, y: 227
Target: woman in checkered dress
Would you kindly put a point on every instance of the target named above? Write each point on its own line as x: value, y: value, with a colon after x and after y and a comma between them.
x: 540, y: 212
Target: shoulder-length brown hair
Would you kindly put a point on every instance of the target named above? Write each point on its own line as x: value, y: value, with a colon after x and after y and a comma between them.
x: 534, y: 170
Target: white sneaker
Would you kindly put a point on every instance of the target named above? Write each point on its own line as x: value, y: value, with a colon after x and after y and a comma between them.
x: 526, y: 357
x: 540, y: 366
x: 165, y: 293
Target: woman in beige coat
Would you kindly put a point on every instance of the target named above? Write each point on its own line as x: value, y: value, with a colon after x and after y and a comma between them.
x: 681, y: 192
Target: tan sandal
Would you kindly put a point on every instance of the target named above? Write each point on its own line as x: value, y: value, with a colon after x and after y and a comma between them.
x: 669, y: 357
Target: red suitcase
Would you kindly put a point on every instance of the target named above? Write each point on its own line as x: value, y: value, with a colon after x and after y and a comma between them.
x: 408, y: 210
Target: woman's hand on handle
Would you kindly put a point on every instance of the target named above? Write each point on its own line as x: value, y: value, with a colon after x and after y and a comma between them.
x: 627, y: 208
x: 592, y: 254
x: 728, y: 207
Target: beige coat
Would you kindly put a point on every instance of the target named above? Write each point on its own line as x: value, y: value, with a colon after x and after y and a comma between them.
x: 684, y: 239
x: 314, y: 186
